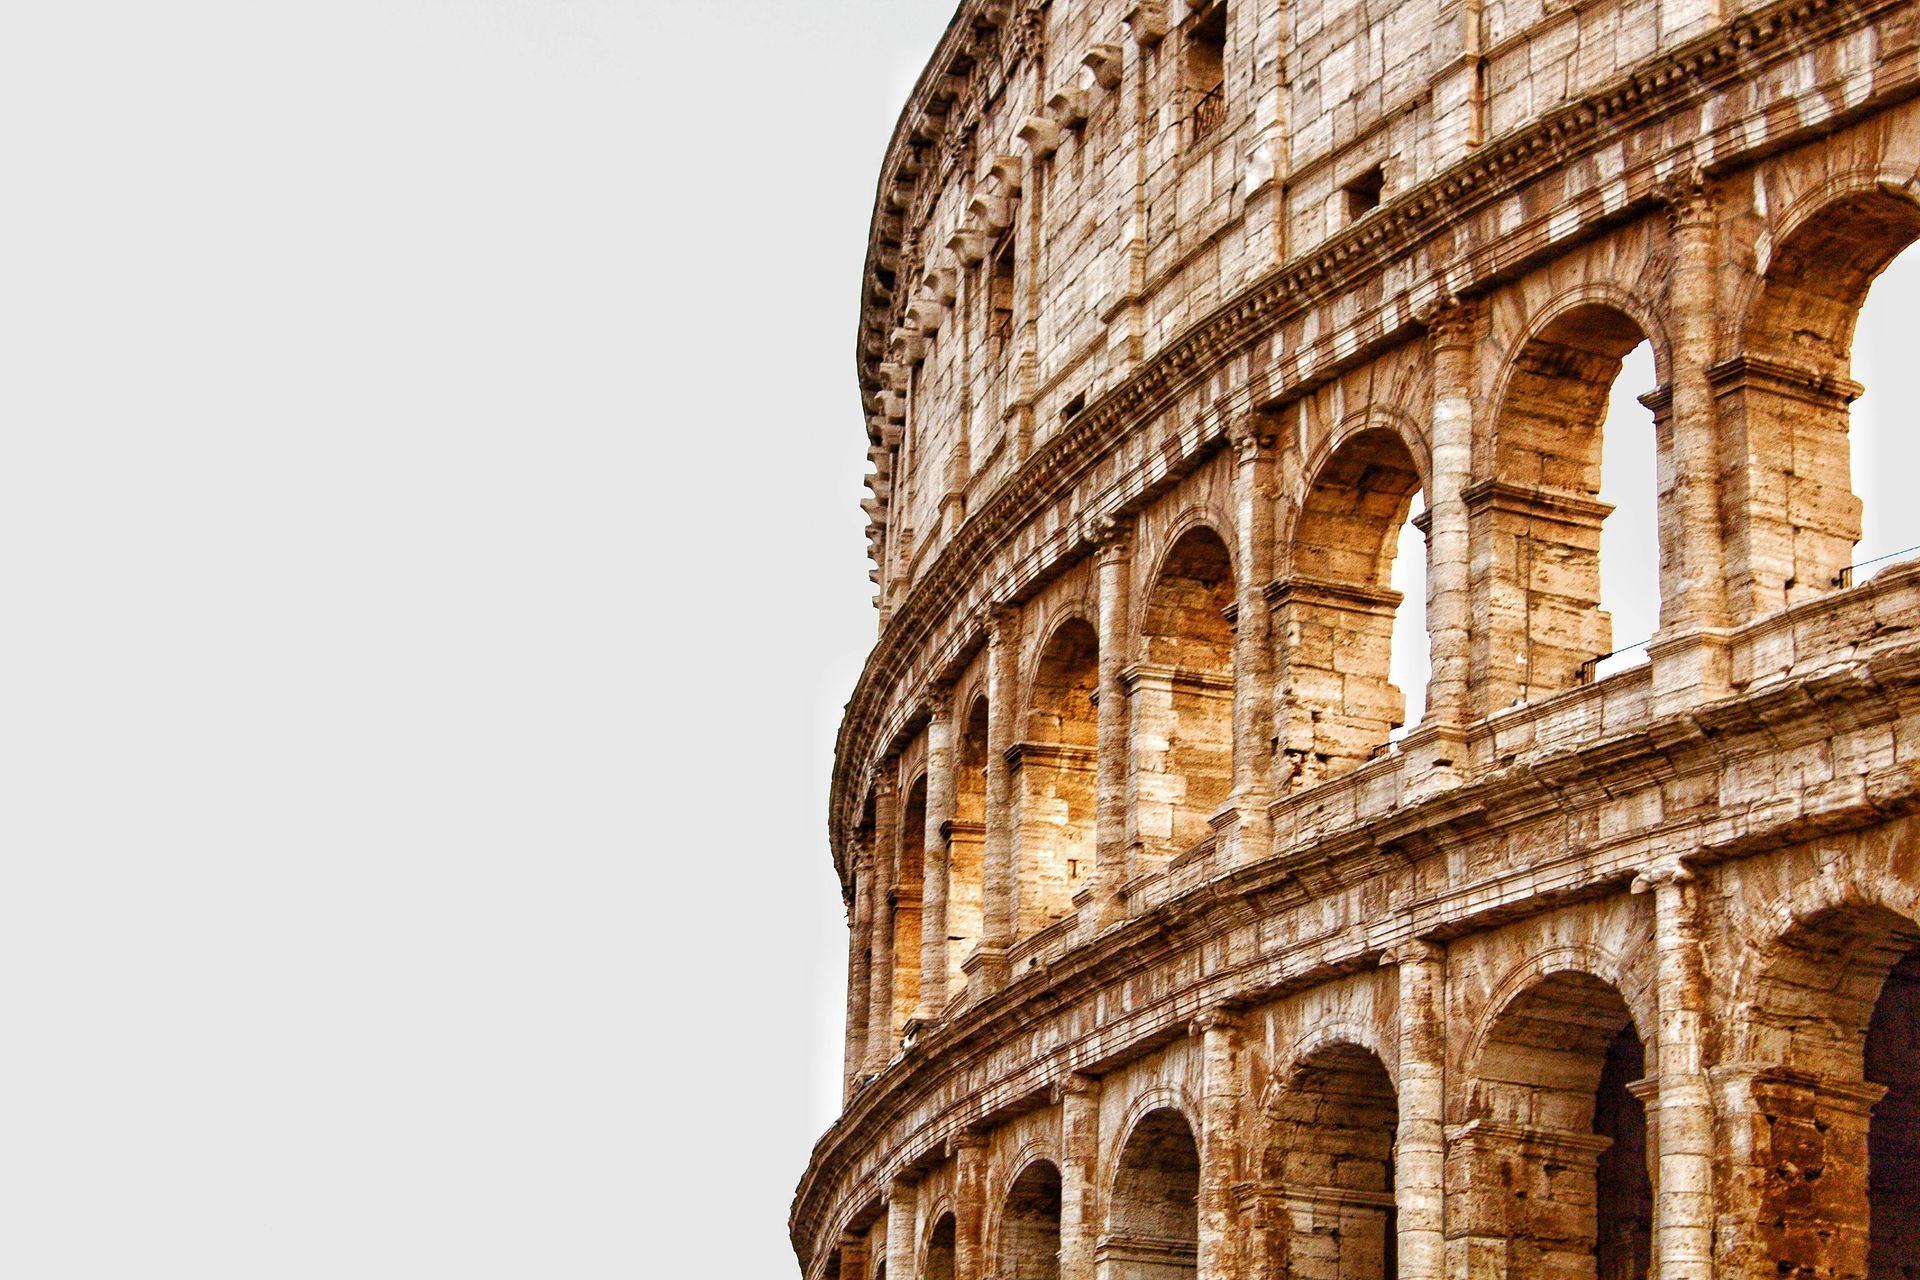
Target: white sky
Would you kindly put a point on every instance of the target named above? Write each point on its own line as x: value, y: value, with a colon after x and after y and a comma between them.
x: 433, y: 571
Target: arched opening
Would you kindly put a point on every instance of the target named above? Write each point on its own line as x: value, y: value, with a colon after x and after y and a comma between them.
x: 1630, y: 535
x: 1540, y: 518
x: 1554, y: 1167
x: 1054, y: 779
x: 1029, y: 1245
x: 1182, y: 697
x: 940, y: 1249
x: 1893, y: 1132
x: 1328, y: 1165
x: 1335, y: 609
x: 1153, y: 1214
x: 966, y: 844
x: 1793, y: 517
x: 1885, y: 450
x: 1411, y: 661
x: 909, y: 875
x: 1822, y: 1154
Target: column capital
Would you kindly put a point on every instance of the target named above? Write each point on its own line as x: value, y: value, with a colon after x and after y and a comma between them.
x: 969, y: 1139
x: 1412, y: 951
x: 1002, y: 620
x: 936, y: 698
x: 1073, y: 1084
x: 1112, y: 538
x: 1450, y: 321
x: 1252, y: 436
x: 886, y: 779
x: 1218, y: 1018
x: 1666, y: 871
x: 1690, y: 198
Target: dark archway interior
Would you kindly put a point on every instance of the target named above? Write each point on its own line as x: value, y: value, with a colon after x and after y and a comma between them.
x: 940, y: 1249
x: 1030, y: 1227
x: 1893, y: 1134
x: 1153, y: 1215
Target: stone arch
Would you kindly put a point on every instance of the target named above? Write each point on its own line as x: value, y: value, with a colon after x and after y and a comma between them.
x: 908, y: 881
x: 967, y: 836
x: 1054, y: 765
x: 940, y: 1245
x: 1554, y: 1166
x: 1784, y: 393
x: 1198, y: 514
x: 1823, y: 1109
x: 1568, y: 956
x: 1181, y: 693
x: 1376, y: 417
x: 1334, y: 606
x: 1326, y: 1178
x: 1361, y: 1033
x: 1152, y: 1213
x: 1535, y: 509
x: 1027, y: 1235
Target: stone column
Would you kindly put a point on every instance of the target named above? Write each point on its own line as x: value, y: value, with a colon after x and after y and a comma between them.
x: 853, y: 1257
x: 937, y: 856
x: 1451, y: 333
x: 1079, y: 1099
x: 1419, y: 1170
x: 886, y: 835
x: 1683, y: 1126
x: 860, y: 939
x: 1689, y: 654
x: 1220, y: 1088
x: 902, y: 1199
x: 1113, y: 562
x: 969, y: 1205
x: 987, y: 966
x: 1253, y: 444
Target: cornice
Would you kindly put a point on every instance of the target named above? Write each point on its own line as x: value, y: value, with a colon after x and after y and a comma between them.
x: 1658, y: 87
x: 1575, y: 781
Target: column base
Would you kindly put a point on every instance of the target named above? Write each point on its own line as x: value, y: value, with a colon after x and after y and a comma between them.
x: 987, y: 972
x: 1436, y: 759
x: 1690, y: 668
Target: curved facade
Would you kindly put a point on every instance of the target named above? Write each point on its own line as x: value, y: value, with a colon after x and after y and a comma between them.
x: 1176, y: 950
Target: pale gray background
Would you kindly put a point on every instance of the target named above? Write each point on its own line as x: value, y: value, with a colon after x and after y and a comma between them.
x: 432, y: 570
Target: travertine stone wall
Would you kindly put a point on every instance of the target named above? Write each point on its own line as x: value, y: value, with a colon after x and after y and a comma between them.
x: 1174, y: 951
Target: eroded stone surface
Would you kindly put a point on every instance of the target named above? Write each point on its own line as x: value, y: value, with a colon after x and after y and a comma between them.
x: 1164, y: 961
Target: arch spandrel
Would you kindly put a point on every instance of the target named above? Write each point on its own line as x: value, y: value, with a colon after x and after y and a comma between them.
x: 1511, y: 832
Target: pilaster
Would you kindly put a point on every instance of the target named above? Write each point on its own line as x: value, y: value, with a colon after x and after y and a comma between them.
x: 1079, y: 1099
x: 1689, y: 654
x: 938, y: 854
x: 886, y: 829
x: 1683, y: 1124
x: 987, y: 966
x: 969, y: 1205
x: 902, y: 1222
x: 1419, y: 1170
x: 1113, y: 564
x: 1220, y: 1089
x: 1253, y: 440
x: 860, y: 936
x: 1452, y: 332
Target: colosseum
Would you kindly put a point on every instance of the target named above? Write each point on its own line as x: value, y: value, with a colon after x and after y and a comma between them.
x: 1184, y: 942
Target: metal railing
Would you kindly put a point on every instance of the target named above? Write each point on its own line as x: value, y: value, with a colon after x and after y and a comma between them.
x: 1209, y: 112
x: 1590, y: 669
x: 1845, y: 578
